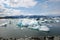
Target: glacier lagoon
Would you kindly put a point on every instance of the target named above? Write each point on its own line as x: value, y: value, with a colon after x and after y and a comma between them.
x: 50, y: 28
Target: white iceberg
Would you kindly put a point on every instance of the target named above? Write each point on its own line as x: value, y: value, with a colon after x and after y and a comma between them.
x: 27, y: 22
x: 33, y: 24
x: 3, y: 22
x: 34, y: 27
x: 44, y: 28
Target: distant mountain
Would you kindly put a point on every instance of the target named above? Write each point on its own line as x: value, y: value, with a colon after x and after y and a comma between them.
x: 29, y: 16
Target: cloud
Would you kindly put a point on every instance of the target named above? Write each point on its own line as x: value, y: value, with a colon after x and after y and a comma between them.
x: 44, y: 6
x: 21, y: 3
x: 1, y: 1
x: 13, y: 12
x: 54, y: 12
x: 9, y: 12
x: 2, y: 10
x: 54, y: 0
x: 51, y: 12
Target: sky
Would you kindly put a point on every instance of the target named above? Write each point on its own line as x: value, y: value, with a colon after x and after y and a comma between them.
x: 30, y: 7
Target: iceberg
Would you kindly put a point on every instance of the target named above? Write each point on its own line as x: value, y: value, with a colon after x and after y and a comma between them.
x: 26, y: 22
x: 33, y: 24
x: 3, y: 22
x: 44, y: 28
x: 34, y: 27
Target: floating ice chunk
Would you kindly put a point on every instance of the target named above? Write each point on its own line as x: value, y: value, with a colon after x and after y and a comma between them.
x: 44, y: 28
x: 57, y: 21
x: 27, y: 22
x: 3, y: 24
x: 41, y: 18
x: 35, y: 27
x: 49, y: 25
x: 33, y: 24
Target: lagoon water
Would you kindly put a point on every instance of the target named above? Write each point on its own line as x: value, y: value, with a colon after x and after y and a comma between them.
x: 12, y: 30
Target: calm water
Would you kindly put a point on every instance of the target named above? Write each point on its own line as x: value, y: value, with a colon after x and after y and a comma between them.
x: 12, y: 30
